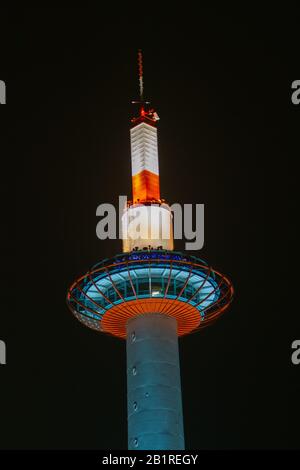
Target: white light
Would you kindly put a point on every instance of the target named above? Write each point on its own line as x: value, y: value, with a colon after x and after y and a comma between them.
x: 144, y: 226
x: 144, y: 153
x: 155, y: 292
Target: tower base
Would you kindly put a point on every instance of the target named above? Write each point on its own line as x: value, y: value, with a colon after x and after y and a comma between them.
x: 155, y: 420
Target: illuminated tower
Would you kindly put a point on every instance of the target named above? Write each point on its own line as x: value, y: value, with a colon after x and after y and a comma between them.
x: 150, y: 295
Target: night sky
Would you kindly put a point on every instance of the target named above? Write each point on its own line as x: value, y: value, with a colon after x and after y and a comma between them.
x: 228, y: 137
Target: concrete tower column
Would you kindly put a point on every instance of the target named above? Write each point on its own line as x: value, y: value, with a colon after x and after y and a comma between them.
x: 155, y: 420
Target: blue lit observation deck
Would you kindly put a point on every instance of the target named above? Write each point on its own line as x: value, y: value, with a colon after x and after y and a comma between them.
x: 142, y: 282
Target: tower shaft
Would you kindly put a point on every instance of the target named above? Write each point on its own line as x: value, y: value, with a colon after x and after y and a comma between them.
x: 155, y: 419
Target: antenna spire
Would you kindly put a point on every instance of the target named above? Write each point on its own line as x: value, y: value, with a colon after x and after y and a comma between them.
x: 141, y: 82
x: 144, y: 112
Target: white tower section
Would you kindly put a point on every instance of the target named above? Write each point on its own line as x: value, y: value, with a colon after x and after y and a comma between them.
x: 144, y: 153
x: 144, y: 162
x: 145, y: 226
x: 147, y: 221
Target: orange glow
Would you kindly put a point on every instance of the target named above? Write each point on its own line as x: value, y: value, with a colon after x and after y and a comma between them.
x: 145, y: 186
x: 115, y: 319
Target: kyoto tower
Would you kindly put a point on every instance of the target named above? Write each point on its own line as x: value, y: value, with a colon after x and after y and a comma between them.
x: 149, y: 296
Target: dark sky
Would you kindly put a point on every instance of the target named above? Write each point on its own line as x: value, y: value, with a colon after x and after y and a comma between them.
x: 228, y: 137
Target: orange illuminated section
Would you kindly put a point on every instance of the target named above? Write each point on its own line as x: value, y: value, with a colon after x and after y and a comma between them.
x: 115, y: 319
x: 145, y: 186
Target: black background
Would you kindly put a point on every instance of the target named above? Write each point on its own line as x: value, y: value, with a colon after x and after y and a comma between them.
x: 228, y: 137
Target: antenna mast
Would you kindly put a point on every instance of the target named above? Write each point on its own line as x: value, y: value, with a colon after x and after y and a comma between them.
x: 141, y: 82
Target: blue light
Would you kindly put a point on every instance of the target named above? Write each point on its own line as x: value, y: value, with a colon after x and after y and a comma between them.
x: 126, y: 280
